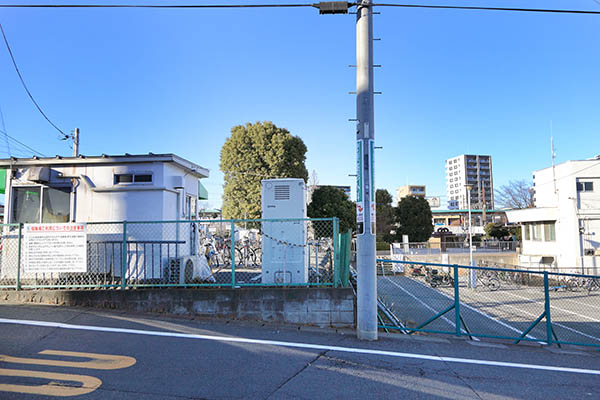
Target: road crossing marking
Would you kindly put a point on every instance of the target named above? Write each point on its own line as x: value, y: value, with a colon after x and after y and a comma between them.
x: 311, y: 346
x: 57, y: 386
x: 98, y: 361
x: 53, y: 388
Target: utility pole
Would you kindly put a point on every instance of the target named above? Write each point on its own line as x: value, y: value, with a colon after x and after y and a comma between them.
x: 365, y: 216
x: 76, y: 143
x: 366, y: 296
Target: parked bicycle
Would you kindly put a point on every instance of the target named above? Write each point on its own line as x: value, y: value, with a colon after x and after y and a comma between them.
x: 435, y: 278
x: 488, y: 279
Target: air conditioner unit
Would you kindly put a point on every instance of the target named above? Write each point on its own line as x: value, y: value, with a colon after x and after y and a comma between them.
x: 181, y: 270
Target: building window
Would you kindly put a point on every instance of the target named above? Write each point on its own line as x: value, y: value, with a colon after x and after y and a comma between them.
x: 536, y: 232
x: 133, y: 178
x: 38, y: 204
x: 549, y: 232
x: 585, y: 186
x: 526, y: 233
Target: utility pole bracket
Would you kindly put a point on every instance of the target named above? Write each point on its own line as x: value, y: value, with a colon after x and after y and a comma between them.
x: 333, y: 7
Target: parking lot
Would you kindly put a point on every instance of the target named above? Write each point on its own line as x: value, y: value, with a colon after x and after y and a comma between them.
x: 506, y: 312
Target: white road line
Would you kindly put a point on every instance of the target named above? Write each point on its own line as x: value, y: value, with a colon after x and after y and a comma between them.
x: 428, y: 307
x: 536, y: 315
x: 555, y: 307
x: 462, y: 304
x: 303, y: 346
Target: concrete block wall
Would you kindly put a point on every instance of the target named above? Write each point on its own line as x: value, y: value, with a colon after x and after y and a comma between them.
x: 324, y: 307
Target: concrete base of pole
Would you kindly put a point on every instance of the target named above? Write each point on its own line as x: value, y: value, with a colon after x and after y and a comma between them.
x: 367, y: 335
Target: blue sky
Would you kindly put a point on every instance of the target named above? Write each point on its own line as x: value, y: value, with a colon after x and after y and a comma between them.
x: 177, y: 81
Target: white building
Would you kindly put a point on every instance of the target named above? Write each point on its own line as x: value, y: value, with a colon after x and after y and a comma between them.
x: 99, y: 189
x: 151, y: 187
x: 562, y: 231
x: 473, y: 170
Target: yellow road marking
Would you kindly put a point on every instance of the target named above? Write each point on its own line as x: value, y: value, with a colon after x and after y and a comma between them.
x: 98, y: 361
x: 88, y: 383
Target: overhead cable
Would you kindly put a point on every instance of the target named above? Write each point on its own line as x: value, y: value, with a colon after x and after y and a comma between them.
x: 65, y: 136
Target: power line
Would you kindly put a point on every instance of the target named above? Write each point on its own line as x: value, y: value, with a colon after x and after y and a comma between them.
x: 22, y: 144
x: 208, y: 6
x: 156, y: 5
x: 538, y: 10
x: 65, y: 136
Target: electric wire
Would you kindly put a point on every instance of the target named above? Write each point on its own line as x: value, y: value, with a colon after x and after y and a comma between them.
x: 65, y: 136
x: 534, y: 10
x: 208, y: 6
x: 22, y: 144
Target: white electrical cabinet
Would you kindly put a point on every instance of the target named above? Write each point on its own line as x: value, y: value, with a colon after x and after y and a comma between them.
x: 284, y: 255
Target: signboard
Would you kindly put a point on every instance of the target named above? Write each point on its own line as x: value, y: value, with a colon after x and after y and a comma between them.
x: 434, y: 201
x: 360, y: 207
x: 372, y: 184
x: 55, y: 248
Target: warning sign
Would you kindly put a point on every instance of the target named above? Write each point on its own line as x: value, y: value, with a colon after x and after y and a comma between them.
x: 55, y: 248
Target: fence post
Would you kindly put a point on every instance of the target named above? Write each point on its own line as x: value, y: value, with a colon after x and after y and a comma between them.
x: 124, y: 257
x: 456, y: 302
x: 547, y: 310
x: 336, y: 252
x: 232, y: 253
x: 18, y: 287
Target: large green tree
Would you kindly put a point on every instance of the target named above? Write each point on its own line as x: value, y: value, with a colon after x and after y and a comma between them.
x: 254, y: 152
x: 328, y: 202
x: 385, y: 215
x: 413, y: 218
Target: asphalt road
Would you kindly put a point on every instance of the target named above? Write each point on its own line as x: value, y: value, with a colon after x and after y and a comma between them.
x: 508, y: 311
x: 50, y: 350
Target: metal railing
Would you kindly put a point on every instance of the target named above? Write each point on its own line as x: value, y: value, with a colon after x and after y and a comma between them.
x: 189, y: 253
x: 501, y: 303
x: 426, y: 248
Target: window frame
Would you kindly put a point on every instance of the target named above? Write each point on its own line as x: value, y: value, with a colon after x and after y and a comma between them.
x: 133, y: 178
x: 43, y: 189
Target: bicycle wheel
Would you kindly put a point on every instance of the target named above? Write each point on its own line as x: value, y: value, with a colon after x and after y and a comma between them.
x: 493, y: 284
x: 573, y: 285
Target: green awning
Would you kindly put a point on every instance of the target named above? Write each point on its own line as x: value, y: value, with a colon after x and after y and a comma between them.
x: 202, y: 192
x: 2, y: 181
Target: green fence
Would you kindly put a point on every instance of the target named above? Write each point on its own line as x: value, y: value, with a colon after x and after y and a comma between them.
x: 233, y: 253
x: 514, y: 304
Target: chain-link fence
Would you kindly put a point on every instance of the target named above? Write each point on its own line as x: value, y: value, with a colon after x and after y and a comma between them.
x: 514, y: 304
x: 288, y: 252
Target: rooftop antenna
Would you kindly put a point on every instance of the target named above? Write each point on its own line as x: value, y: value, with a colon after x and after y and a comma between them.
x: 553, y: 154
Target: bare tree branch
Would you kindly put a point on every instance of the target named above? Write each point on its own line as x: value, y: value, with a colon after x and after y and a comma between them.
x: 517, y: 194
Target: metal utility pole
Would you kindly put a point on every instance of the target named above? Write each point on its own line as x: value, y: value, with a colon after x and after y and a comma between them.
x: 365, y: 216
x: 76, y: 143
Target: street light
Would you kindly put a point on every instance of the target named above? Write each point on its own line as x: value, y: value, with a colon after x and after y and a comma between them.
x: 470, y: 283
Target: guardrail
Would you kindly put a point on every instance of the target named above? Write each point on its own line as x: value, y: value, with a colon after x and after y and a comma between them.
x: 426, y: 248
x: 500, y: 303
x: 188, y: 253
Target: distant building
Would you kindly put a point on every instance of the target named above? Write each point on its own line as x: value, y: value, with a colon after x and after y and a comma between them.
x: 473, y: 170
x: 410, y: 190
x: 562, y: 231
x: 457, y: 221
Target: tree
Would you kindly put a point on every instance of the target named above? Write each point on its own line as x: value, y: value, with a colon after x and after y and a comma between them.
x: 517, y: 194
x: 413, y: 218
x: 328, y: 202
x: 385, y: 215
x: 254, y: 152
x: 495, y: 230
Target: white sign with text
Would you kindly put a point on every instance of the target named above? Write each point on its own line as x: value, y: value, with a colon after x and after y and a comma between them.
x: 55, y: 248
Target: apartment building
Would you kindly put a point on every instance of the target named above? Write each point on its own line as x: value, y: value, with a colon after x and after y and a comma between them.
x: 410, y: 190
x: 472, y: 170
x: 562, y: 230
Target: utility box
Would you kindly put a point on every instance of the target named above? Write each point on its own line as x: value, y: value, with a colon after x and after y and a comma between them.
x: 284, y: 255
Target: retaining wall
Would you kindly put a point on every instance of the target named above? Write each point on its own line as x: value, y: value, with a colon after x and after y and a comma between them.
x: 325, y: 307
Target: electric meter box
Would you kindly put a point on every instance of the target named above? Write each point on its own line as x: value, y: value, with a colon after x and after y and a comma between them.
x: 284, y: 255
